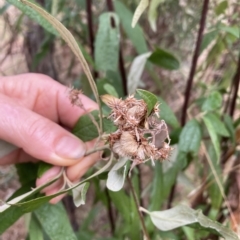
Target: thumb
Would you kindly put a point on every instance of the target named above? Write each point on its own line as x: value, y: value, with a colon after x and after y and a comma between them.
x: 38, y: 136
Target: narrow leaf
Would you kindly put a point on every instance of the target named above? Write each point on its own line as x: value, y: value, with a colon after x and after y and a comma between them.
x: 136, y: 71
x: 230, y: 127
x: 150, y: 99
x: 79, y: 194
x: 213, y: 135
x: 107, y: 42
x: 213, y: 190
x: 34, y: 16
x: 10, y: 213
x: 164, y: 59
x: 139, y: 11
x: 69, y: 39
x: 152, y: 13
x: 136, y: 35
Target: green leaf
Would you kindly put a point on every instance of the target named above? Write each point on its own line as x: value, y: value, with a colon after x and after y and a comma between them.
x: 233, y: 30
x: 213, y: 190
x: 221, y: 7
x: 230, y: 127
x: 55, y: 222
x: 34, y: 16
x: 35, y: 229
x: 183, y: 215
x: 110, y: 90
x: 149, y: 98
x: 136, y: 71
x: 167, y: 114
x: 107, y: 42
x: 86, y: 130
x: 153, y: 13
x: 213, y: 135
x: 122, y: 203
x: 10, y: 212
x: 27, y: 172
x: 139, y: 11
x: 164, y: 59
x: 178, y: 161
x: 156, y: 196
x: 15, y: 208
x: 79, y: 194
x: 218, y: 125
x: 136, y: 34
x: 190, y: 137
x: 207, y: 39
x: 42, y: 168
x: 117, y: 175
x: 213, y: 102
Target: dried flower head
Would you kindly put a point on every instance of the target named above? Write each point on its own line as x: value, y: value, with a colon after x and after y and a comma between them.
x: 137, y: 133
x: 74, y: 97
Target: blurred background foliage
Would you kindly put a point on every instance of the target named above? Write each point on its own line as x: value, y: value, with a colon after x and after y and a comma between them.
x: 162, y: 46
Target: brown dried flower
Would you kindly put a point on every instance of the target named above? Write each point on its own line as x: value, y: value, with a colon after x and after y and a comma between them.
x: 137, y: 133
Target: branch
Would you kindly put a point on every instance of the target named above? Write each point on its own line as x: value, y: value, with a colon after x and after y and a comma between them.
x: 194, y: 61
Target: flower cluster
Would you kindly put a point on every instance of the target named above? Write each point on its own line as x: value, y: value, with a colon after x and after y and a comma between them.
x: 139, y: 136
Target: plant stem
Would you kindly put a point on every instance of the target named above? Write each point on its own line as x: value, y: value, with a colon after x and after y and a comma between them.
x: 90, y: 31
x: 96, y: 149
x: 194, y: 61
x: 120, y: 61
x: 110, y: 211
x: 138, y: 209
x: 235, y: 84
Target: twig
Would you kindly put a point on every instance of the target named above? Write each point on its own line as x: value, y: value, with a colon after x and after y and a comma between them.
x: 138, y: 209
x: 194, y: 61
x: 96, y: 150
x: 235, y: 84
x: 110, y: 211
x: 90, y: 31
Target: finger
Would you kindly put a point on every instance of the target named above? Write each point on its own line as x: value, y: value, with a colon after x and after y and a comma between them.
x: 54, y: 185
x: 46, y: 97
x: 17, y: 156
x: 75, y: 172
x: 57, y: 199
x: 48, y: 175
x: 38, y: 136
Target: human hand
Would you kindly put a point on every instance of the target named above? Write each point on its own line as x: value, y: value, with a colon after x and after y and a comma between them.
x: 32, y: 107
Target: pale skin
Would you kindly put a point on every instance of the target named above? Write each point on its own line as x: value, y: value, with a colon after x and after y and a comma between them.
x: 37, y: 117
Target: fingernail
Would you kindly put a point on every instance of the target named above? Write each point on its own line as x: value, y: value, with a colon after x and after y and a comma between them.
x: 70, y: 147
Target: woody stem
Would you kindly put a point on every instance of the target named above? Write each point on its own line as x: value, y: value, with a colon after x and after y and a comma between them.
x: 145, y: 232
